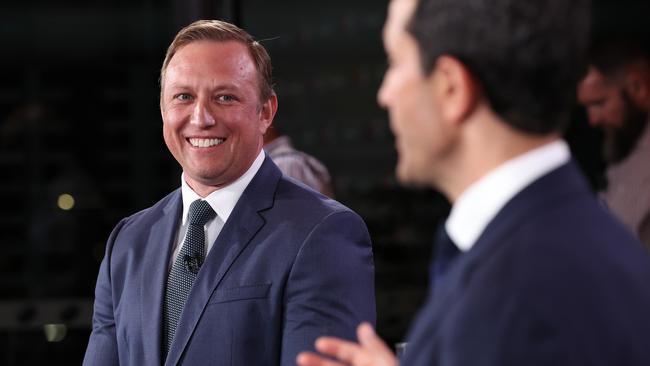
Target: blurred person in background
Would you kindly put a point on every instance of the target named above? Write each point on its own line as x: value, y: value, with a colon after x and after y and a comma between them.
x: 297, y: 164
x: 530, y: 268
x: 616, y: 94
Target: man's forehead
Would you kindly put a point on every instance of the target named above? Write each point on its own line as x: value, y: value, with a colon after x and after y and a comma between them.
x: 402, y: 9
x: 399, y: 13
x: 208, y: 55
x: 594, y: 87
x: 595, y: 80
x: 213, y: 50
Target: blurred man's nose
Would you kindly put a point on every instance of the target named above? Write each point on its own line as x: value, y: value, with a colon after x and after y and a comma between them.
x: 595, y: 118
x: 382, y: 94
x: 201, y: 116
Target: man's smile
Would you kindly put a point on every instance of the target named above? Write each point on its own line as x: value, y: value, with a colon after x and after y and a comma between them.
x: 202, y: 142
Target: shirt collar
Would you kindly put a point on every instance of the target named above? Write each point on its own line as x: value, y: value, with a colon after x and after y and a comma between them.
x: 481, y: 202
x: 224, y: 199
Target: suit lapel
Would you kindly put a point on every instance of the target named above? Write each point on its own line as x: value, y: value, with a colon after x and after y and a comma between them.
x: 238, y: 232
x: 154, y: 277
x: 561, y: 184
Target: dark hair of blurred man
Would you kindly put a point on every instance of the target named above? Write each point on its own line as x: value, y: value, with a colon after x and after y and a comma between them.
x: 530, y: 268
x: 616, y: 94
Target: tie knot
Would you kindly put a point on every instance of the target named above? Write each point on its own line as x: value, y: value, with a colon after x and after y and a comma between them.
x: 200, y: 212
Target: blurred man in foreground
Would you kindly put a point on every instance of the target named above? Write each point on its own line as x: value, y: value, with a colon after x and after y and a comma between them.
x: 530, y: 268
x: 616, y: 93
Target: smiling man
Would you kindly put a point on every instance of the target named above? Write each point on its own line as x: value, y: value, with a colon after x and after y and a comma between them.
x: 239, y: 266
x: 530, y: 269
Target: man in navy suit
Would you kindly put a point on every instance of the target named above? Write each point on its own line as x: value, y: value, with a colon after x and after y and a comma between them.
x: 530, y: 268
x: 239, y: 266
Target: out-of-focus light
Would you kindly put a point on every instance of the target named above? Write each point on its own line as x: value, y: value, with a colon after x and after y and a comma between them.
x: 55, y: 332
x: 65, y: 202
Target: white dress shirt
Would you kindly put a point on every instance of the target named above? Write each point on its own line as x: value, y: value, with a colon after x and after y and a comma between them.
x: 481, y: 202
x: 222, y: 201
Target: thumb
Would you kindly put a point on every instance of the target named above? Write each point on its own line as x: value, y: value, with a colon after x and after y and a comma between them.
x: 370, y: 340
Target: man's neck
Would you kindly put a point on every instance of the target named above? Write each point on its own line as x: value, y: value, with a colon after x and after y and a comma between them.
x: 483, y: 148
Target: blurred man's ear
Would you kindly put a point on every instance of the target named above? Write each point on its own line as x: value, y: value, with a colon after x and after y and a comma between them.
x: 637, y: 85
x: 455, y: 88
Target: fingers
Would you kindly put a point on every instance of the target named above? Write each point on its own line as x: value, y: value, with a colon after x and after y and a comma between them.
x: 380, y: 354
x: 371, y: 341
x: 371, y: 351
x: 338, y: 348
x: 311, y: 359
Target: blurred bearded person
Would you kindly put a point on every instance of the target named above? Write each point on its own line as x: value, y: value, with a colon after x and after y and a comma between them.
x: 616, y: 94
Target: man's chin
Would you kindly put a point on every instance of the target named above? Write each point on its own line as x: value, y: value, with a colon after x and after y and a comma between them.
x: 409, y: 177
x: 619, y: 143
x: 609, y: 152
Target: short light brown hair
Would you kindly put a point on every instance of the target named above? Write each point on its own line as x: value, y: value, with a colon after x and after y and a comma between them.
x: 220, y: 31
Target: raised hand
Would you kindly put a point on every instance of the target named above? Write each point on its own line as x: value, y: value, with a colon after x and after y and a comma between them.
x: 370, y: 351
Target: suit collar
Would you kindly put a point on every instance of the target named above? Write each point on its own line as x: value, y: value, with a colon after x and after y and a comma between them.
x: 237, y: 234
x: 481, y: 202
x: 563, y: 183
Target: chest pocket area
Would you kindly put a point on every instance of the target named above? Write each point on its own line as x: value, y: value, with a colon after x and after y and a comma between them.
x: 246, y: 292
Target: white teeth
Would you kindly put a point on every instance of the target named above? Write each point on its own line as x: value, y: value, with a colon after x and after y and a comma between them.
x: 205, y: 142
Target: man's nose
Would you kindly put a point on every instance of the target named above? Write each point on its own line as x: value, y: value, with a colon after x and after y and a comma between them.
x: 201, y: 115
x: 595, y: 119
x: 382, y: 93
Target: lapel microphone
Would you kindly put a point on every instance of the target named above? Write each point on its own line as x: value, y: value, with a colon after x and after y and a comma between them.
x: 192, y: 263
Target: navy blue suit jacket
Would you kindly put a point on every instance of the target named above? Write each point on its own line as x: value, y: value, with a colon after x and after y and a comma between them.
x: 553, y: 280
x: 288, y: 266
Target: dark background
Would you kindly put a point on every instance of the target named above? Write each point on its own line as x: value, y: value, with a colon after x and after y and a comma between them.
x: 79, y: 115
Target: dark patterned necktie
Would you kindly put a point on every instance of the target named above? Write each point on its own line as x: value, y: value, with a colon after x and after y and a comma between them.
x: 185, y: 269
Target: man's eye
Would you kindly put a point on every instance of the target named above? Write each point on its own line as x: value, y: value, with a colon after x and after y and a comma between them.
x: 183, y: 97
x: 226, y: 98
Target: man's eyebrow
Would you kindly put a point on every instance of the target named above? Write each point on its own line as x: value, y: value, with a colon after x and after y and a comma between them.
x: 225, y: 86
x: 177, y: 85
x: 216, y: 87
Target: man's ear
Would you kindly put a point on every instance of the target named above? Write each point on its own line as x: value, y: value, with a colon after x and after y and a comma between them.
x: 455, y: 89
x: 637, y: 84
x: 267, y: 112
